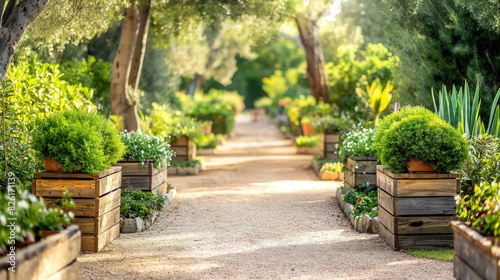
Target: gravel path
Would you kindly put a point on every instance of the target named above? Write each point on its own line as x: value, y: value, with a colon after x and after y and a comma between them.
x: 258, y: 212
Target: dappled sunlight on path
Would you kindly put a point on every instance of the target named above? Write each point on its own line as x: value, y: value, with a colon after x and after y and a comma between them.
x: 257, y: 212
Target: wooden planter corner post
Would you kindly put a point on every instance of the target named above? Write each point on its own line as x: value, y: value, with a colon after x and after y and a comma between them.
x: 476, y: 256
x: 360, y: 170
x: 416, y: 210
x: 51, y: 258
x: 97, y: 199
x: 145, y: 178
x: 331, y: 144
x: 184, y: 148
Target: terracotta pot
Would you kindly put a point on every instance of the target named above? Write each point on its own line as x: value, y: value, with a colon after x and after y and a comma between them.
x: 335, y: 176
x: 327, y: 175
x: 307, y: 128
x: 341, y: 176
x: 52, y: 166
x: 416, y: 166
x: 206, y: 129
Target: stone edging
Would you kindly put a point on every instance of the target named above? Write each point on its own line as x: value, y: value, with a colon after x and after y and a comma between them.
x: 133, y: 225
x: 365, y: 224
x: 205, y: 152
x: 183, y: 171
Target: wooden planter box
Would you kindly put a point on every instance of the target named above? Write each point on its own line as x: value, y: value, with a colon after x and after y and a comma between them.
x: 416, y: 210
x: 51, y: 258
x: 145, y: 178
x: 331, y: 144
x: 184, y: 148
x: 476, y: 256
x: 360, y: 170
x: 97, y: 199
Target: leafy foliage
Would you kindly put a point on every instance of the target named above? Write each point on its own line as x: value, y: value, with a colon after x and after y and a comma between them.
x: 144, y: 147
x: 358, y: 143
x: 307, y: 141
x: 78, y: 141
x: 480, y: 209
x: 364, y: 199
x: 425, y: 138
x: 376, y: 97
x: 136, y: 203
x: 221, y: 116
x: 483, y: 164
x: 91, y: 73
x: 31, y: 214
x: 328, y: 123
x: 207, y: 141
x: 456, y: 109
x: 171, y: 124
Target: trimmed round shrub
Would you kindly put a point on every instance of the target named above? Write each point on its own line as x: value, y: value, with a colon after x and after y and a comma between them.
x: 78, y: 141
x: 424, y: 137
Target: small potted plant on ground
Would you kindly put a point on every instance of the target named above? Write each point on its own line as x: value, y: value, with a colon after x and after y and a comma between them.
x: 307, y: 145
x: 477, y: 250
x: 332, y: 171
x: 329, y: 128
x: 145, y: 162
x: 357, y: 152
x: 84, y: 145
x: 416, y: 209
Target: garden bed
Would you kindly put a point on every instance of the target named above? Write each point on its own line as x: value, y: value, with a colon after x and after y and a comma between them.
x: 97, y: 200
x: 416, y: 210
x: 364, y: 224
x: 138, y: 224
x: 184, y: 148
x: 360, y: 170
x: 53, y: 257
x: 317, y: 164
x: 476, y: 256
x: 145, y: 178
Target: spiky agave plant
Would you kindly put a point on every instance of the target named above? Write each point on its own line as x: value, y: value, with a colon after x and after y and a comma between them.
x: 456, y: 108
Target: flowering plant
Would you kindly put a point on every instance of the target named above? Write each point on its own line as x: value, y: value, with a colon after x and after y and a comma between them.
x: 307, y: 141
x: 358, y: 143
x: 142, y: 146
x: 135, y: 203
x: 364, y: 199
x: 332, y: 167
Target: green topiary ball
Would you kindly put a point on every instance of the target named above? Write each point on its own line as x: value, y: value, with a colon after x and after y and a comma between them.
x: 78, y: 140
x: 420, y: 134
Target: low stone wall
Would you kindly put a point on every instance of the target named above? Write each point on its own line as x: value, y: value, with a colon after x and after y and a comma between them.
x: 363, y: 224
x: 133, y: 225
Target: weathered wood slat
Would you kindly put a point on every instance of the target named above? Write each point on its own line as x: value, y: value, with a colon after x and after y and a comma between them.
x: 182, y: 141
x: 98, y: 224
x: 387, y: 202
x: 108, y: 202
x: 97, y: 243
x: 451, y: 175
x: 48, y: 175
x: 332, y: 138
x: 355, y: 180
x: 427, y: 242
x: 84, y: 206
x: 45, y: 258
x: 56, y: 187
x: 426, y: 187
x: 413, y: 206
x: 362, y: 166
x: 477, y: 252
x: 70, y: 272
x: 109, y: 183
x: 415, y: 225
x: 386, y: 183
x: 331, y: 147
x: 388, y: 237
x: 462, y: 271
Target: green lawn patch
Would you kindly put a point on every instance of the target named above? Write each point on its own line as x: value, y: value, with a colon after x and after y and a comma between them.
x: 443, y: 254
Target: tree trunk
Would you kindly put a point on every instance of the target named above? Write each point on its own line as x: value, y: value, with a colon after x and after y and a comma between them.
x: 140, y: 46
x: 316, y: 74
x: 196, y: 82
x: 15, y: 19
x: 121, y: 102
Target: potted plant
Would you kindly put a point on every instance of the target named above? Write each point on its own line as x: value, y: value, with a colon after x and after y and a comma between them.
x: 176, y: 128
x: 416, y: 209
x: 36, y: 242
x: 145, y: 162
x: 84, y: 145
x: 357, y: 152
x: 77, y: 141
x: 307, y: 145
x: 307, y: 128
x: 476, y: 235
x: 332, y: 171
x: 329, y: 128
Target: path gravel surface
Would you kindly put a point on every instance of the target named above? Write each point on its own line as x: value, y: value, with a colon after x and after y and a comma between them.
x: 257, y: 212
